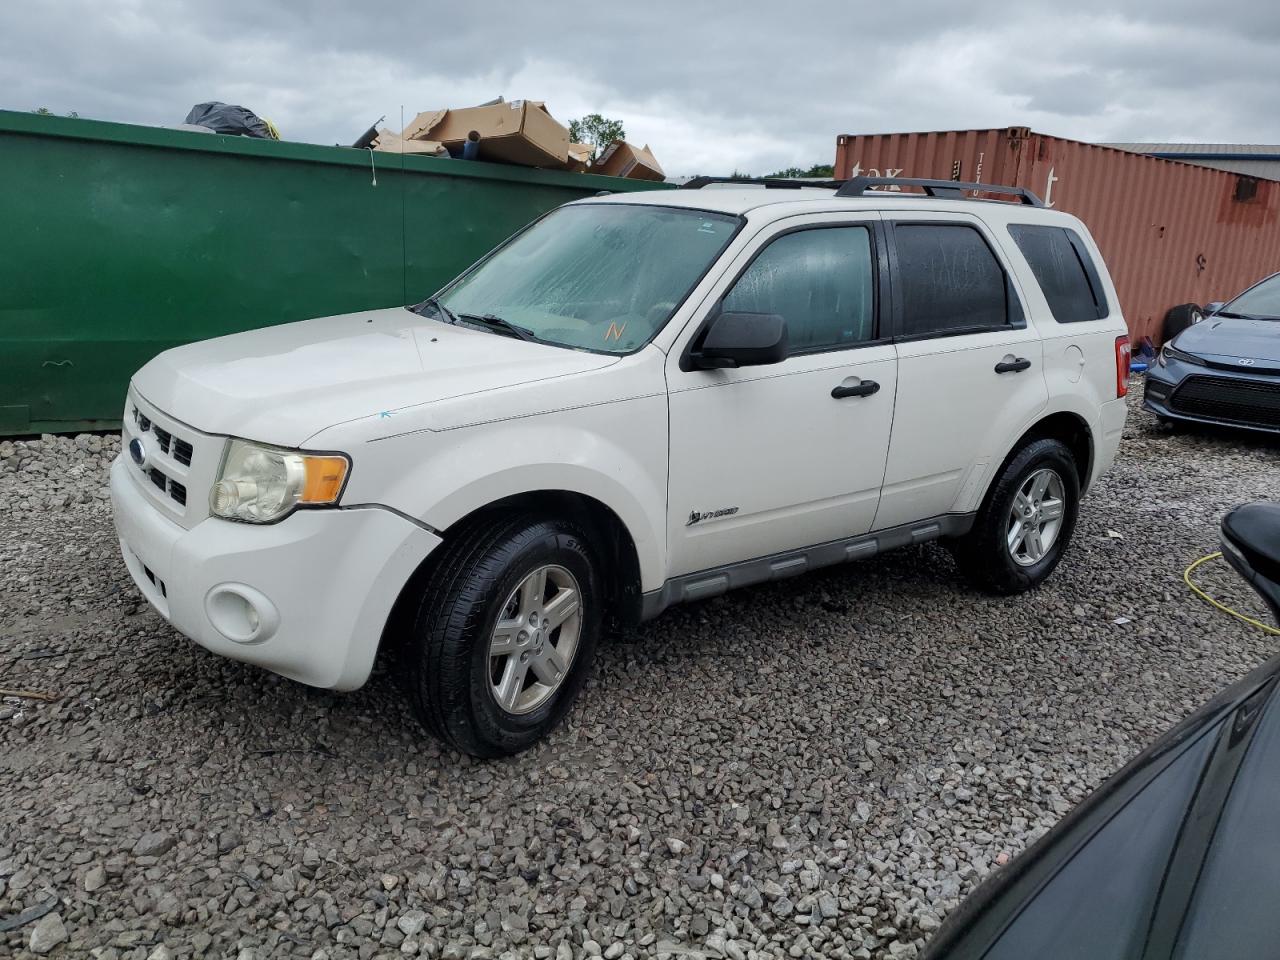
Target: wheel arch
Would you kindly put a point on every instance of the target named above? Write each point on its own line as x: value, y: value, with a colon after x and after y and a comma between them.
x: 620, y: 562
x: 1066, y: 426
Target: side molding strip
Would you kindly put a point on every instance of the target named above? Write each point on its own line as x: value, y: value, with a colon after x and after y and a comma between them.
x: 778, y: 566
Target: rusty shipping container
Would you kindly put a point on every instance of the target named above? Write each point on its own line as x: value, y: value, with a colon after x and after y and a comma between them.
x: 1171, y: 232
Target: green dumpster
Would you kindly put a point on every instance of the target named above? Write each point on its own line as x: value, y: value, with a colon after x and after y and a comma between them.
x: 121, y: 241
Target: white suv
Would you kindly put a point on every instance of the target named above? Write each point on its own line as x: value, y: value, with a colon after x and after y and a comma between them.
x: 636, y: 401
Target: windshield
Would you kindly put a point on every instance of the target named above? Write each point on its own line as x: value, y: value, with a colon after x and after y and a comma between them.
x: 1261, y: 301
x: 601, y: 276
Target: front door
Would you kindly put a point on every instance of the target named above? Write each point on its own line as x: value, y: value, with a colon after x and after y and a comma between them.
x: 775, y: 457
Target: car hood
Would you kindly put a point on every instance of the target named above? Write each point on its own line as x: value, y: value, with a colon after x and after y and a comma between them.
x: 1232, y: 340
x: 284, y: 384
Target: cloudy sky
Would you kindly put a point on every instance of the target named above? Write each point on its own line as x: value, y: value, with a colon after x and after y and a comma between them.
x: 712, y: 87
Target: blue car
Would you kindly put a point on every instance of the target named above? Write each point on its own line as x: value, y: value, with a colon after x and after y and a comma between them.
x: 1226, y: 369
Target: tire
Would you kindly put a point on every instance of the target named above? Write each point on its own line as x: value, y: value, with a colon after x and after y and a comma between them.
x: 1179, y: 318
x: 454, y: 683
x: 985, y: 556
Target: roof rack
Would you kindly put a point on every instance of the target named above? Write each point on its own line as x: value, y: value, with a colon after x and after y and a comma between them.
x: 947, y: 189
x: 771, y: 183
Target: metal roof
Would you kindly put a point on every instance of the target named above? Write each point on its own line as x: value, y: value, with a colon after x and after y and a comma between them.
x: 1261, y: 150
x: 1250, y: 159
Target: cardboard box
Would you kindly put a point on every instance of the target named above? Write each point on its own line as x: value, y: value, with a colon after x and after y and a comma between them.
x: 579, y: 157
x: 521, y: 131
x: 621, y: 159
x: 391, y: 142
x: 420, y: 125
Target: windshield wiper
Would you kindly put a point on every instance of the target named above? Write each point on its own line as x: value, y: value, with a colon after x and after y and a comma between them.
x: 505, y: 326
x: 1238, y: 316
x: 431, y: 303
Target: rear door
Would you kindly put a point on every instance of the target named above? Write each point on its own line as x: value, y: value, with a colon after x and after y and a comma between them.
x: 970, y: 375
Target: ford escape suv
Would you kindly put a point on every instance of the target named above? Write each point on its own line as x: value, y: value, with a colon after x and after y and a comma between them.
x: 636, y: 401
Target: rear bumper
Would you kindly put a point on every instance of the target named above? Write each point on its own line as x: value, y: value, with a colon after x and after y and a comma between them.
x: 1244, y: 402
x: 306, y: 598
x: 1112, y: 415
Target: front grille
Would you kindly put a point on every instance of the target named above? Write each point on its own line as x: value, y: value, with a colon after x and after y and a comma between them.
x: 1244, y: 402
x: 180, y: 452
x: 166, y: 484
x: 159, y: 584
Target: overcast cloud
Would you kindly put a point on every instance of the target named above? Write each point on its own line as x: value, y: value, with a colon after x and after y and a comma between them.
x: 712, y: 87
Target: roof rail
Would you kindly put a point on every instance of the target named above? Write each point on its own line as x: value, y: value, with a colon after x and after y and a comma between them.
x: 948, y: 189
x: 772, y: 183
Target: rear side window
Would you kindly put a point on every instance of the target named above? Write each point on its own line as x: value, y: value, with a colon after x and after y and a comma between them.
x: 1064, y: 270
x: 950, y: 281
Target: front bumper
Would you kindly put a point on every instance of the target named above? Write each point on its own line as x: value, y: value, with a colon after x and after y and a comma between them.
x: 1226, y: 398
x: 306, y: 598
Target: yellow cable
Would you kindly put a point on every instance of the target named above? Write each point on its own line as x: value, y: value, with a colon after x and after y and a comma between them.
x: 1186, y: 576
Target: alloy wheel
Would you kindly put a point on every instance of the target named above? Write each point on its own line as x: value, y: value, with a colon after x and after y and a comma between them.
x: 535, y: 639
x: 1035, y: 518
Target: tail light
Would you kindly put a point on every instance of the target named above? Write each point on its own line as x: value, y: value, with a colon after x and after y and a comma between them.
x: 1123, y: 353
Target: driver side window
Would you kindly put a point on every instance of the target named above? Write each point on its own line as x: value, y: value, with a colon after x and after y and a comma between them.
x: 821, y: 281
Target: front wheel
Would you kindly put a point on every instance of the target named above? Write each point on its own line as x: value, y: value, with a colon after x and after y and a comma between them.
x: 505, y: 633
x: 1026, y: 521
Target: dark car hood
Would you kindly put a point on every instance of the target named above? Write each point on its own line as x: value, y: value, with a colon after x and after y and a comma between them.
x: 1230, y: 340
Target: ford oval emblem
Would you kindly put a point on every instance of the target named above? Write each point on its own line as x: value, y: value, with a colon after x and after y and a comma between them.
x: 1245, y: 361
x: 137, y: 451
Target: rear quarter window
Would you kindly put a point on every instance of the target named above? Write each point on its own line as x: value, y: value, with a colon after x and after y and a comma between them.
x: 1064, y: 270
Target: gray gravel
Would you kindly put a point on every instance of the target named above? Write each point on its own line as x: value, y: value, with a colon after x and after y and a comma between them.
x: 819, y: 767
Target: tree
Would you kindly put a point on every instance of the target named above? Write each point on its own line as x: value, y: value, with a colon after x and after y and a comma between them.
x: 46, y: 112
x: 817, y: 170
x: 596, y: 130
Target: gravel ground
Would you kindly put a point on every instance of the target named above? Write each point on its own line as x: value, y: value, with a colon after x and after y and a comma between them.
x: 818, y: 767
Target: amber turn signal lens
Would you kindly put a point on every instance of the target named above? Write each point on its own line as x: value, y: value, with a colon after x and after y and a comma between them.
x: 324, y: 479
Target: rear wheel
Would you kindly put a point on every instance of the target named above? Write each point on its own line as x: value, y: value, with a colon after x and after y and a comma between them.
x: 1026, y: 521
x: 504, y: 634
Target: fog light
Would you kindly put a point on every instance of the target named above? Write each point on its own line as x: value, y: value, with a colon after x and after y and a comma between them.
x: 241, y: 614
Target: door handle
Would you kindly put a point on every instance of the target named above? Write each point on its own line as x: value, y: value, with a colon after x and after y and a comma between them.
x: 864, y: 389
x: 1013, y: 366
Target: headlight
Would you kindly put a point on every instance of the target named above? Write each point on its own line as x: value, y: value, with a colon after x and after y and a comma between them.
x: 1170, y: 352
x: 261, y: 484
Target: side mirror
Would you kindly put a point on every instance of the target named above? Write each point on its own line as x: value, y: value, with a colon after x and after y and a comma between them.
x: 742, y: 340
x: 1211, y: 308
x: 1251, y: 544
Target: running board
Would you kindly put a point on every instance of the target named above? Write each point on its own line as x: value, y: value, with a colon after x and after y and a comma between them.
x: 779, y: 566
